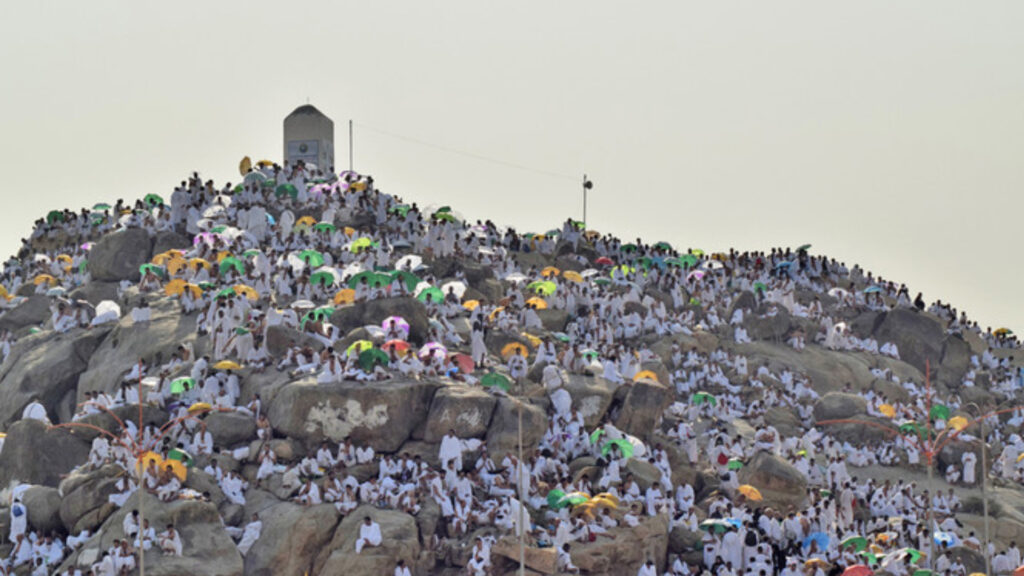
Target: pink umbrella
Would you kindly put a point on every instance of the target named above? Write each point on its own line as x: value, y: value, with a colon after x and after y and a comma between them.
x: 433, y: 349
x: 208, y: 237
x: 397, y: 322
x: 698, y: 274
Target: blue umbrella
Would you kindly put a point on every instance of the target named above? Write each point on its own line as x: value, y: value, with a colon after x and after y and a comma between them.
x: 270, y: 220
x: 946, y: 539
x: 820, y: 537
x: 736, y: 523
x: 872, y: 289
x: 783, y: 265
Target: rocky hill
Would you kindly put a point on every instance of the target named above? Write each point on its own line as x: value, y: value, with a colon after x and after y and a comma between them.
x: 291, y: 355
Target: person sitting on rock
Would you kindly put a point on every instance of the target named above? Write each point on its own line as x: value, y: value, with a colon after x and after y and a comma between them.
x: 369, y: 535
x: 170, y: 542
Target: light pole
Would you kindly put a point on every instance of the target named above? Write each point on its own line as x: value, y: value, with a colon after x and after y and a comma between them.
x: 984, y: 480
x: 522, y: 495
x: 587, y: 185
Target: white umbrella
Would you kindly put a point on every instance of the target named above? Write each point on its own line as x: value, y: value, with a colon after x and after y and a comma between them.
x: 409, y: 262
x: 516, y: 277
x: 456, y: 286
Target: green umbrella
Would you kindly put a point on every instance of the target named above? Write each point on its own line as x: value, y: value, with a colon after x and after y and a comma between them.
x: 911, y: 428
x: 545, y: 287
x: 804, y: 248
x: 322, y: 277
x: 579, y: 225
x: 602, y: 281
x: 231, y: 262
x: 760, y: 287
x: 400, y: 209
x: 156, y: 270
x: 596, y: 435
x: 410, y: 280
x: 54, y: 216
x: 288, y: 189
x: 715, y: 525
x: 325, y: 227
x: 624, y: 268
x: 368, y: 359
x: 628, y: 248
x: 250, y: 253
x: 445, y: 217
x: 688, y: 260
x: 317, y: 315
x: 312, y: 258
x: 269, y: 183
x: 102, y: 207
x: 153, y: 200
x: 371, y: 278
x: 923, y: 573
x: 180, y: 385
x: 442, y: 210
x: 871, y: 557
x: 218, y: 229
x: 207, y: 285
x: 734, y: 464
x: 939, y: 412
x: 432, y: 294
x: 625, y: 447
x: 181, y: 456
x: 556, y: 500
x: 228, y: 292
x: 663, y: 246
x: 495, y: 379
x: 858, y: 543
x: 703, y: 398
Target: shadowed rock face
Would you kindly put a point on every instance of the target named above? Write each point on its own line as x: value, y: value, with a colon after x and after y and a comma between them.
x: 118, y: 256
x: 34, y: 455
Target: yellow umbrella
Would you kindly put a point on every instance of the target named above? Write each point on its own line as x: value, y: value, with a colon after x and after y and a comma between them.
x: 572, y: 276
x: 265, y: 163
x: 177, y: 468
x: 958, y: 422
x: 471, y: 304
x: 306, y: 221
x: 513, y: 348
x: 222, y: 255
x: 537, y: 303
x: 494, y: 312
x: 887, y: 410
x: 247, y: 291
x: 245, y: 166
x: 227, y: 365
x: 175, y: 265
x: 175, y: 287
x: 147, y: 458
x: 345, y: 296
x: 591, y: 234
x: 199, y: 407
x: 197, y: 262
x: 751, y: 493
x: 550, y: 271
x: 64, y: 258
x: 533, y: 340
x: 1021, y: 457
x: 359, y: 186
x: 815, y: 562
x: 44, y: 278
x: 165, y: 257
x: 645, y: 374
x: 349, y: 231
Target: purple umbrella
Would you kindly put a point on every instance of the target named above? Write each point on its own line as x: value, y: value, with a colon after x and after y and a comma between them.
x: 398, y: 322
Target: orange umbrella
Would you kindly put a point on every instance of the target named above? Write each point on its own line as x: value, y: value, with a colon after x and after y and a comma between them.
x: 572, y: 276
x: 514, y: 348
x: 44, y: 278
x: 471, y: 304
x: 346, y: 296
x: 537, y: 303
x: 550, y: 271
x: 247, y: 291
x: 887, y: 410
x: 750, y: 492
x: 177, y: 468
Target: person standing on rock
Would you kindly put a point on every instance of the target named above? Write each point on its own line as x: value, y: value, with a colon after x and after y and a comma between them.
x: 969, y: 460
x: 369, y: 535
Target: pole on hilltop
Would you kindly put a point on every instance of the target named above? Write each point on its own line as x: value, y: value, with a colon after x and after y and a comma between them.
x: 350, y: 146
x: 587, y: 185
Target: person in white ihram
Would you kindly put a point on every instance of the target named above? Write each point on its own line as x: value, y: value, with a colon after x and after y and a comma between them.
x: 369, y: 535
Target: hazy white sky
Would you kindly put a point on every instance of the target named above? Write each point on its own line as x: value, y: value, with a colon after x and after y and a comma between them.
x: 885, y: 133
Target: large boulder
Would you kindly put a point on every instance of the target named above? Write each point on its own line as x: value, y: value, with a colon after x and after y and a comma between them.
x: 111, y: 421
x: 34, y: 311
x: 461, y: 408
x: 553, y: 320
x: 95, y: 292
x: 45, y: 366
x: 34, y: 454
x: 503, y: 433
x: 642, y: 408
x: 127, y: 342
x: 591, y: 395
x: 778, y: 480
x: 630, y: 549
x: 85, y: 505
x: 400, y: 541
x: 922, y: 338
x: 43, y: 505
x: 280, y: 338
x: 208, y: 549
x: 167, y: 240
x: 538, y: 560
x: 291, y: 539
x: 118, y: 256
x: 765, y: 327
x: 230, y: 428
x: 838, y: 405
x: 381, y: 415
x: 376, y: 311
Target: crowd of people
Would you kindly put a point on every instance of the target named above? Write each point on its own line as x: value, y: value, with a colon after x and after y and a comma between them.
x: 290, y: 244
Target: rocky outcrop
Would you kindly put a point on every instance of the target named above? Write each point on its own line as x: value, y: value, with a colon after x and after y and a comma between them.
x: 502, y: 435
x: 46, y: 366
x: 461, y: 408
x: 778, y: 480
x: 118, y: 256
x: 230, y: 428
x: 642, y: 408
x: 34, y: 311
x: 400, y: 542
x: 84, y: 505
x: 624, y: 555
x: 376, y: 311
x: 381, y: 416
x: 291, y: 539
x: 591, y: 395
x: 922, y: 338
x: 837, y: 405
x: 43, y: 505
x: 33, y: 454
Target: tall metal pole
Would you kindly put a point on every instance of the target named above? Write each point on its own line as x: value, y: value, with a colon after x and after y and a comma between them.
x: 984, y: 494
x: 350, y: 169
x: 584, y: 201
x: 138, y: 464
x: 522, y: 495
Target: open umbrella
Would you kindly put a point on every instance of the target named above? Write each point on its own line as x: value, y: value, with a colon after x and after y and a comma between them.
x: 958, y: 423
x: 624, y: 446
x: 322, y: 277
x: 750, y: 492
x: 325, y: 227
x: 199, y: 408
x: 734, y: 464
x: 495, y: 380
x: 887, y: 410
x: 286, y: 189
x: 715, y: 525
x: 399, y: 346
x: 456, y: 287
x: 230, y: 263
x: 703, y: 398
x: 311, y: 258
x: 430, y: 294
x: 227, y: 365
x: 345, y: 296
x: 373, y: 357
x: 819, y: 538
x: 407, y: 278
x: 543, y: 287
x: 858, y: 543
x: 464, y: 362
x: 514, y: 348
x: 939, y: 412
x: 550, y: 271
x: 181, y: 385
x: 358, y: 347
x: 645, y: 375
x: 153, y: 200
x: 433, y: 349
x: 537, y: 302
